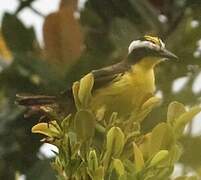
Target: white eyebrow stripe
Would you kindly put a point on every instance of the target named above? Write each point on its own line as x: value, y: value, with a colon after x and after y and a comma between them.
x: 138, y: 43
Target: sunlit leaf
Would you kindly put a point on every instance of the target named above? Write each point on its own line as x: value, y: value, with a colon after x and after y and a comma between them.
x: 49, y: 129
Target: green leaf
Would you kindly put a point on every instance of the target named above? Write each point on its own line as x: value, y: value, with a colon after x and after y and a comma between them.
x: 115, y: 141
x: 113, y: 118
x: 84, y: 124
x: 175, y: 109
x: 118, y: 166
x: 100, y: 113
x: 18, y: 37
x: 86, y: 85
x: 184, y: 119
x: 151, y: 102
x: 162, y: 137
x: 139, y: 160
x: 75, y: 90
x: 174, y: 154
x: 144, y: 145
x: 66, y: 123
x: 147, y: 108
x: 165, y: 172
x: 159, y: 157
x: 92, y: 161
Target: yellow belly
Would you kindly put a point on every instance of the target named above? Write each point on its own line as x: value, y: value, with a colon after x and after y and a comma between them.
x: 127, y: 94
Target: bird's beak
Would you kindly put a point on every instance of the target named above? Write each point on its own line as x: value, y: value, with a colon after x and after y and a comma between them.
x: 167, y: 54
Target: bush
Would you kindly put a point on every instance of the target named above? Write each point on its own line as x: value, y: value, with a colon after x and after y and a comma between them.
x: 92, y: 147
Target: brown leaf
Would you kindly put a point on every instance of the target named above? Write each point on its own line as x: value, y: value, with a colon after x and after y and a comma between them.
x: 62, y: 35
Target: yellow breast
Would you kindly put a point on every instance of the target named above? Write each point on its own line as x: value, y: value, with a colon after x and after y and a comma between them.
x: 128, y: 93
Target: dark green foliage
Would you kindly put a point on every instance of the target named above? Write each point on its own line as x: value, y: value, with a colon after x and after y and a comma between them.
x: 109, y: 26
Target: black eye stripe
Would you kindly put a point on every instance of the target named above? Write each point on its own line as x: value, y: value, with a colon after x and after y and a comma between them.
x: 153, y: 42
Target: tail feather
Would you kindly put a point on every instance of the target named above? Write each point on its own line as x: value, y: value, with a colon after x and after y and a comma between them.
x: 34, y: 100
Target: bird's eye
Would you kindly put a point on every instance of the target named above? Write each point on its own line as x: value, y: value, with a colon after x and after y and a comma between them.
x: 153, y: 42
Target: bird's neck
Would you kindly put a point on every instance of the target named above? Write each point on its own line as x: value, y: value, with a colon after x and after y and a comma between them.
x: 146, y: 64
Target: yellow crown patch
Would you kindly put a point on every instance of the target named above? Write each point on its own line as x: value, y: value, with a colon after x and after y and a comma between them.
x: 155, y: 40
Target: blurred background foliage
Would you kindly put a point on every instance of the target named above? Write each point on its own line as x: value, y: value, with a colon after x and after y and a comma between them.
x: 77, y: 41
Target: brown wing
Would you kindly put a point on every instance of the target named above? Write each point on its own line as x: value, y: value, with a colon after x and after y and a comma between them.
x: 106, y: 75
x: 102, y: 77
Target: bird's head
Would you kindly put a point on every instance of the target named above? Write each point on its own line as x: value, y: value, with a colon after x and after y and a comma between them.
x: 150, y: 50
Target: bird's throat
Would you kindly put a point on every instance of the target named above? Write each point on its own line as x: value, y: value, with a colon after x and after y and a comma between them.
x: 147, y: 63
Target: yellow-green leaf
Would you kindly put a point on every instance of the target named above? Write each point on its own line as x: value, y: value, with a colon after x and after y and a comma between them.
x: 92, y: 161
x: 144, y: 145
x: 162, y: 137
x: 175, y: 109
x: 175, y: 153
x: 159, y: 157
x: 139, y: 160
x: 75, y: 90
x: 118, y: 166
x: 115, y: 141
x: 151, y: 102
x: 47, y: 129
x: 147, y: 108
x: 86, y: 85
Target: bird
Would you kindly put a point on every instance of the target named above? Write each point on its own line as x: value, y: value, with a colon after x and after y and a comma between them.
x: 121, y: 87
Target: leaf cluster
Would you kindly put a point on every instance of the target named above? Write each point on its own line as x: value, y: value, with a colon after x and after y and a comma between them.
x: 92, y: 147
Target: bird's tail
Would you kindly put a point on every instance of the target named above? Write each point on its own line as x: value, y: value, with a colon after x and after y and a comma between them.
x: 35, y: 100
